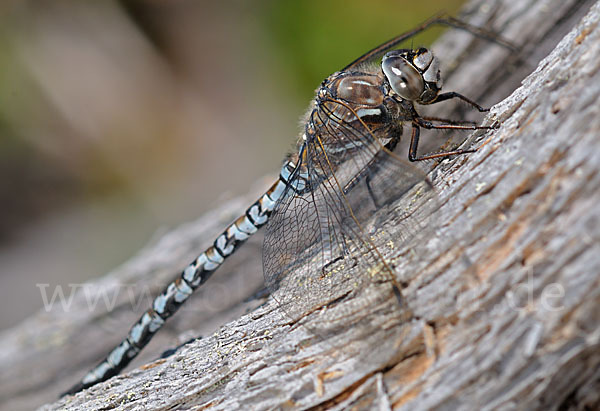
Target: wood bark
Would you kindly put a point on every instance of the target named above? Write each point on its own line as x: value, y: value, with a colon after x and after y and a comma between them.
x: 501, y: 281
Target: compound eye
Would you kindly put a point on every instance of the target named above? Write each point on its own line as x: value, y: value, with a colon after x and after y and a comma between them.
x: 404, y: 78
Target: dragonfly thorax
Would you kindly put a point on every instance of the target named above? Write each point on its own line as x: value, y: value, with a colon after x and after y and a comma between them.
x: 413, y: 75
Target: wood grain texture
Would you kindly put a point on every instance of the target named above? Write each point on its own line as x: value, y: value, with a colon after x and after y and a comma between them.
x: 502, y: 296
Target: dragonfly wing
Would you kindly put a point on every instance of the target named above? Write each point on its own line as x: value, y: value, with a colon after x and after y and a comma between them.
x: 323, y: 241
x: 441, y: 19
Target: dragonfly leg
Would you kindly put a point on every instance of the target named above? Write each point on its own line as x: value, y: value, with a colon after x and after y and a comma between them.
x: 453, y: 94
x: 448, y: 121
x: 376, y: 202
x: 414, y: 143
x: 390, y: 146
x: 425, y: 123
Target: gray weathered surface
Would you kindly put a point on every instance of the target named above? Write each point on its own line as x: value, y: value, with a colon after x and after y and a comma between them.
x: 504, y: 297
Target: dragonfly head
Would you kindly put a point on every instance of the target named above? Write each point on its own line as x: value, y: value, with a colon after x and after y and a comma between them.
x: 413, y: 74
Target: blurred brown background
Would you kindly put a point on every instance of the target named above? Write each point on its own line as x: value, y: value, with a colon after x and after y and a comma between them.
x: 118, y: 118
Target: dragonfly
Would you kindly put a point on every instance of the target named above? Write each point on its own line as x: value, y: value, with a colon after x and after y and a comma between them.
x: 320, y: 209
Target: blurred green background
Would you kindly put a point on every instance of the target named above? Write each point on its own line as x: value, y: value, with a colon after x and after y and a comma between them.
x: 121, y: 117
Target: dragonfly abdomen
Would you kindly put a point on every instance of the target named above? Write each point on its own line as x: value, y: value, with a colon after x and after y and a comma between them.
x: 192, y: 277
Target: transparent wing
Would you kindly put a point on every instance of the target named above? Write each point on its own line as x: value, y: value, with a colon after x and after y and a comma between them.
x: 378, y: 52
x: 438, y: 20
x: 323, y: 242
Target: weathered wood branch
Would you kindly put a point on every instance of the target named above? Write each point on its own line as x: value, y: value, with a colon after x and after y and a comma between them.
x: 502, y: 289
